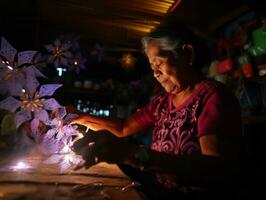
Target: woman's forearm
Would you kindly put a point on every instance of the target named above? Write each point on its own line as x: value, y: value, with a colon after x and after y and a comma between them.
x: 118, y: 127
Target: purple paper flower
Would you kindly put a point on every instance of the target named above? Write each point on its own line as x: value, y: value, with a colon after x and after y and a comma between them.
x: 60, y: 54
x: 64, y: 160
x: 35, y: 103
x: 15, y: 69
x: 60, y: 140
x: 99, y: 52
x: 72, y: 39
x: 77, y: 63
x: 40, y: 61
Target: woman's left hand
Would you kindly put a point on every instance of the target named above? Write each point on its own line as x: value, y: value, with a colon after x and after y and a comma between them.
x: 103, y: 147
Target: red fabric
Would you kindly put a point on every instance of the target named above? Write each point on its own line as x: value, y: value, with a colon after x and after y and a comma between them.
x: 211, y: 109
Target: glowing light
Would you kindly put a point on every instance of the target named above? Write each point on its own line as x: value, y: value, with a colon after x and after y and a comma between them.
x: 66, y: 149
x: 75, y: 62
x: 20, y: 166
x: 128, y: 61
x: 9, y: 67
x: 23, y: 90
x: 60, y: 70
x: 87, y: 129
x: 68, y: 158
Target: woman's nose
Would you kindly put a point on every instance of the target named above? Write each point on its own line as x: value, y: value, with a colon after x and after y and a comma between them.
x: 157, y: 73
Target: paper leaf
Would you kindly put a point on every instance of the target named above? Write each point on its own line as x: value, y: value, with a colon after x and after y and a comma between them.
x: 61, y: 112
x: 57, y: 62
x: 67, y: 54
x: 70, y: 117
x: 54, y: 122
x: 22, y: 116
x: 41, y: 115
x: 64, y: 61
x: 34, y: 124
x: 50, y: 134
x: 7, y: 50
x: 53, y: 159
x: 57, y: 43
x: 31, y: 84
x: 65, y: 46
x: 49, y: 47
x: 64, y: 166
x: 51, y: 104
x: 15, y: 84
x: 48, y: 89
x: 10, y: 103
x: 49, y: 145
x: 25, y: 57
x: 33, y: 71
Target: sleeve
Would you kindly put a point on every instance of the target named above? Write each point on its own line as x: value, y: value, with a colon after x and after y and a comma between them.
x: 148, y: 115
x: 221, y: 115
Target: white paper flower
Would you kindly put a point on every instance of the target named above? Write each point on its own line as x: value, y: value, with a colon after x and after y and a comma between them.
x: 35, y: 103
x: 16, y: 69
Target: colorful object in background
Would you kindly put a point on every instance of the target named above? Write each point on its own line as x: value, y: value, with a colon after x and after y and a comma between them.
x: 246, y: 66
x: 259, y: 40
x: 16, y: 69
x: 225, y: 66
x: 59, y: 53
x: 128, y: 61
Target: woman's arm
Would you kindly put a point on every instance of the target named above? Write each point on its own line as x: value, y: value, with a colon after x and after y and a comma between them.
x: 118, y: 127
x: 198, y: 169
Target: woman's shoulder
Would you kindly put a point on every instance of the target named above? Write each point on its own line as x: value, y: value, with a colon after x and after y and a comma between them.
x: 213, y: 88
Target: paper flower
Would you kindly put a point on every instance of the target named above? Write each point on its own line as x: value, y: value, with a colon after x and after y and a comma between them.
x: 72, y: 39
x: 35, y: 103
x: 40, y: 61
x: 15, y: 69
x: 60, y: 140
x: 64, y: 159
x: 98, y: 51
x: 60, y: 54
x: 77, y: 63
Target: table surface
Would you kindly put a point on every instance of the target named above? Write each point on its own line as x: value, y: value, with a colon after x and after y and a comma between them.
x: 42, y: 181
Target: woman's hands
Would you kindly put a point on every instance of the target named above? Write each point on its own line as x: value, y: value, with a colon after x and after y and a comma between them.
x: 88, y: 121
x: 103, y: 147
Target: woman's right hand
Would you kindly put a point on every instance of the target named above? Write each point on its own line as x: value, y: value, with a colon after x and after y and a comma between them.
x: 88, y: 121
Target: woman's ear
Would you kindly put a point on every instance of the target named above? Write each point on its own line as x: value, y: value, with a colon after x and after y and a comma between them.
x: 189, y: 51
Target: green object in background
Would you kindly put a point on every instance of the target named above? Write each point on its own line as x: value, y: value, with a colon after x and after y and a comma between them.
x: 8, y: 124
x: 259, y: 42
x: 244, y: 59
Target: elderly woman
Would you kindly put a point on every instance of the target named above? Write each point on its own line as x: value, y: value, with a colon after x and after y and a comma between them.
x: 196, y: 121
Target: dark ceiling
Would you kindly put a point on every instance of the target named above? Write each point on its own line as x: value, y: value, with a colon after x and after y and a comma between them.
x: 118, y: 24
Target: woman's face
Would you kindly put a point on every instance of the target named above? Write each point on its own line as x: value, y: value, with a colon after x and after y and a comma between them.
x: 168, y: 73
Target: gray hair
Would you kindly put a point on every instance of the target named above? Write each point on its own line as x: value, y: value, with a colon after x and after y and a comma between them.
x: 165, y: 43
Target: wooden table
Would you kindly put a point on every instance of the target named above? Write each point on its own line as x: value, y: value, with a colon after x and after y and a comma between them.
x: 102, y: 181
